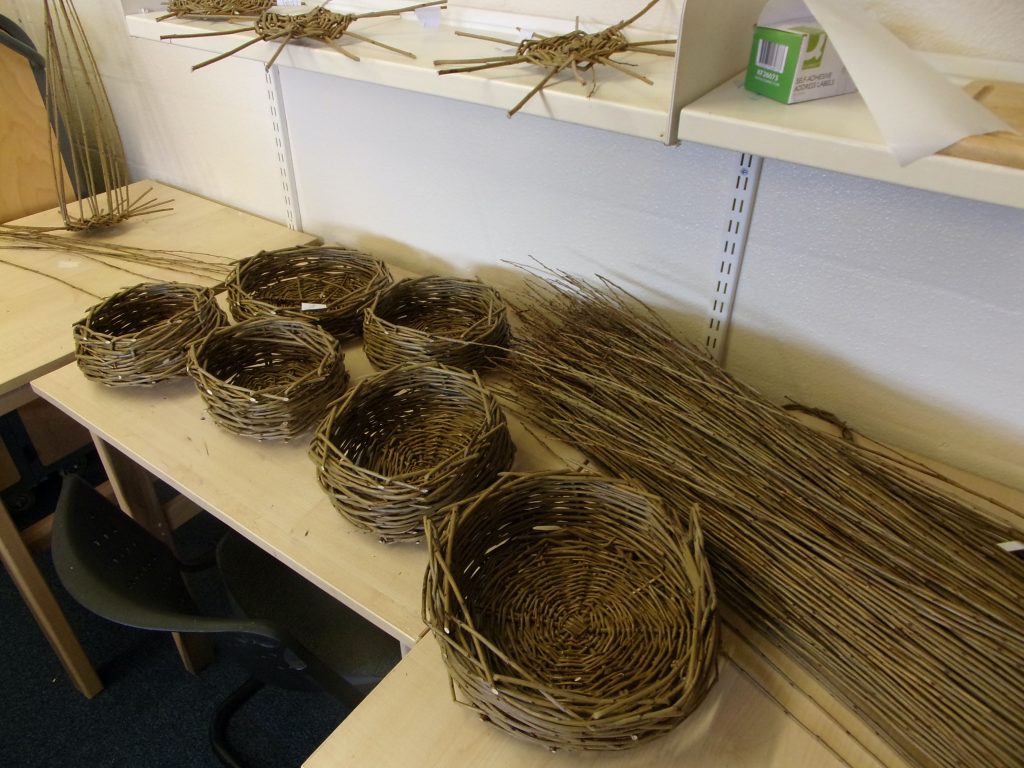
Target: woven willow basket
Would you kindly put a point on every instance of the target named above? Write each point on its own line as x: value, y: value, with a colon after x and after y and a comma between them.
x: 329, y: 285
x: 268, y: 377
x: 405, y: 443
x: 456, y: 322
x: 572, y: 610
x: 141, y: 335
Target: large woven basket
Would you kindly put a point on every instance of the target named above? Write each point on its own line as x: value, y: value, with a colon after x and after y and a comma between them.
x: 572, y: 610
x: 140, y: 336
x: 456, y: 322
x: 268, y: 377
x: 329, y: 285
x: 404, y: 443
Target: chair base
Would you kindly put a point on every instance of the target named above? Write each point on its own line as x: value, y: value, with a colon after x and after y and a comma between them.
x: 219, y: 725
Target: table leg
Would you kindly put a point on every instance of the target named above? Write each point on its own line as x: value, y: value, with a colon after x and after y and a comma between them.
x: 44, y: 607
x: 134, y: 491
x: 136, y: 496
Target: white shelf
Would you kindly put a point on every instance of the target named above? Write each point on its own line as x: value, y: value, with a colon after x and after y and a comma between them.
x: 621, y: 103
x: 839, y: 134
x: 687, y: 102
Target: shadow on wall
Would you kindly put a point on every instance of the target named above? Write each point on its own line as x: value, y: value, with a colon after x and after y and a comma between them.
x: 875, y: 408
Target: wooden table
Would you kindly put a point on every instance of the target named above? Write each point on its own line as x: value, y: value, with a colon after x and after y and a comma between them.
x: 36, y: 313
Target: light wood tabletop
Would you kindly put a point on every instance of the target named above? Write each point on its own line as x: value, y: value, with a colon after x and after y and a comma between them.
x: 44, y: 291
x: 410, y: 719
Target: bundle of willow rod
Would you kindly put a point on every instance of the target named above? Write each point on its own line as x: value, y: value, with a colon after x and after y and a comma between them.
x: 80, y: 112
x: 453, y: 321
x: 140, y: 336
x: 329, y: 285
x: 317, y: 23
x: 270, y: 378
x: 114, y: 255
x: 573, y: 610
x: 890, y: 590
x: 577, y: 51
x: 403, y: 444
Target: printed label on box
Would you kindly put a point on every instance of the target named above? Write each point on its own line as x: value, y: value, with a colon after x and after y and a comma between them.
x: 794, y: 62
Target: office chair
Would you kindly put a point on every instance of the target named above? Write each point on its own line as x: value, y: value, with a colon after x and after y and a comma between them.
x: 288, y: 632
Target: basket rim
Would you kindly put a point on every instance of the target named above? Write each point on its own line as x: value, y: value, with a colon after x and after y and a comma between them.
x: 334, y: 356
x: 197, y: 294
x: 239, y: 291
x: 320, y: 450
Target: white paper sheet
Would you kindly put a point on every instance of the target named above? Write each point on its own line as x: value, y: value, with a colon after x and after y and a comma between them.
x: 918, y: 110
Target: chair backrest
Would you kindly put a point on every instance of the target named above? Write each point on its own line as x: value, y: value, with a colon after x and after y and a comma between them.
x: 346, y: 654
x: 117, y: 570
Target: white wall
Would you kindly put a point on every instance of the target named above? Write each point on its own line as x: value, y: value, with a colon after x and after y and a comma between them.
x: 445, y: 185
x: 899, y: 310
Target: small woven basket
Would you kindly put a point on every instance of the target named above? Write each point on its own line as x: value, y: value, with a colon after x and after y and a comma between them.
x: 269, y: 377
x: 328, y: 285
x: 572, y: 610
x: 405, y: 443
x: 456, y: 322
x: 140, y: 336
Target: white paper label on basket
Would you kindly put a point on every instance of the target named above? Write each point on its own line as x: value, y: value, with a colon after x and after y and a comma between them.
x: 68, y: 263
x: 1013, y: 547
x: 288, y: 8
x: 309, y: 307
x: 429, y: 18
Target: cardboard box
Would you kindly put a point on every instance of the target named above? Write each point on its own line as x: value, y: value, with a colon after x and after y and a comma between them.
x: 793, y: 61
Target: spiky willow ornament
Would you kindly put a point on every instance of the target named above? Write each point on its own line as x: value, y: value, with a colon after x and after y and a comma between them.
x: 91, y: 149
x: 318, y: 23
x: 578, y: 51
x: 215, y: 9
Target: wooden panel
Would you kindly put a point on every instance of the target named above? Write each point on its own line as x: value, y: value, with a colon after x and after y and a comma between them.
x: 9, y: 473
x: 26, y: 171
x: 1002, y: 147
x: 53, y: 434
x: 40, y: 600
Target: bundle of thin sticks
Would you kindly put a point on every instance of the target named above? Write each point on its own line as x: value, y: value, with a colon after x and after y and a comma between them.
x: 316, y: 23
x: 215, y: 9
x: 126, y: 258
x: 89, y: 143
x: 890, y: 590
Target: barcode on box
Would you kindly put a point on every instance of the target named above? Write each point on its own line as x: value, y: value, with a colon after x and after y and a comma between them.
x: 771, y: 55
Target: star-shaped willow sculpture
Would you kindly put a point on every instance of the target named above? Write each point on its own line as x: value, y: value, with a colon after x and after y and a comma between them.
x: 577, y: 50
x: 316, y: 24
x: 215, y: 9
